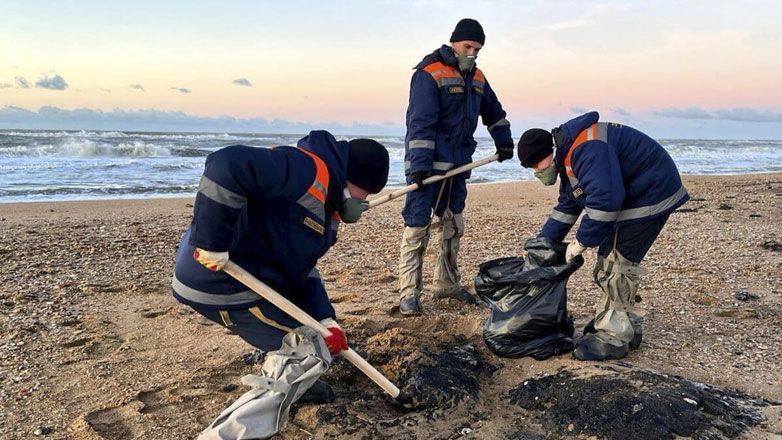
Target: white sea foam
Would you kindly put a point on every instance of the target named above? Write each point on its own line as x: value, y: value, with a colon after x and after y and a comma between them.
x: 59, y: 165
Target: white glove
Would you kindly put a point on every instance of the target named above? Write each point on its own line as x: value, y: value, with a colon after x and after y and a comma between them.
x: 212, y: 260
x: 330, y: 322
x: 574, y: 249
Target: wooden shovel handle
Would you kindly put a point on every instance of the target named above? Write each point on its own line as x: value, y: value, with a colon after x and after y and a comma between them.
x: 410, y: 188
x: 300, y: 315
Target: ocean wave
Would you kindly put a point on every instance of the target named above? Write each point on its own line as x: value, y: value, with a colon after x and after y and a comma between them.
x: 80, y: 190
x: 90, y: 148
x: 68, y: 165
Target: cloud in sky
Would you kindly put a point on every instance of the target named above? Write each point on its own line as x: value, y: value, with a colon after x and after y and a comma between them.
x: 5, y: 86
x: 159, y: 120
x: 55, y: 82
x: 684, y: 113
x: 728, y: 114
x: 181, y: 89
x: 578, y: 110
x: 748, y: 115
x: 243, y: 82
x: 22, y: 83
x: 137, y: 87
x: 620, y: 111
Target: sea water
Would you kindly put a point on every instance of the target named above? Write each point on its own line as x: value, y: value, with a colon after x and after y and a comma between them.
x: 80, y: 165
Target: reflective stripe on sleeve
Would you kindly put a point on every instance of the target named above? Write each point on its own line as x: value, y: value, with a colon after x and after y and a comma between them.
x: 220, y: 194
x: 418, y: 143
x: 499, y: 123
x: 602, y: 216
x: 563, y: 218
x: 442, y: 166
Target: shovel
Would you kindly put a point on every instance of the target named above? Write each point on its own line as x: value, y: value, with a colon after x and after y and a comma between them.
x: 300, y: 315
x: 410, y: 188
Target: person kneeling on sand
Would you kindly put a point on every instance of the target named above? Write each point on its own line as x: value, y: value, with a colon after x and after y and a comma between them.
x: 627, y: 185
x: 274, y: 212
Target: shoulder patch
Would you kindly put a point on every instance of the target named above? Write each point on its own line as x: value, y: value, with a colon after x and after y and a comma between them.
x: 315, y: 226
x: 456, y: 89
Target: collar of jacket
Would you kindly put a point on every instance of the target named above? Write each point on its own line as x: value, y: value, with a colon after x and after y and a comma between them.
x: 568, y: 132
x: 335, y: 154
x: 448, y: 58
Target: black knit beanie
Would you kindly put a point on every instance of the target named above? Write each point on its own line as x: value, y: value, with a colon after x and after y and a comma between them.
x: 535, y: 144
x: 367, y: 164
x: 468, y: 29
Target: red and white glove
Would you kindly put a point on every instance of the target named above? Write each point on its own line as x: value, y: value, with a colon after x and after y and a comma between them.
x: 212, y: 260
x: 337, y: 341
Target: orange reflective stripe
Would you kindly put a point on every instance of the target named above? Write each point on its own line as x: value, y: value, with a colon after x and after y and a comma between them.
x: 317, y: 194
x: 321, y: 177
x: 588, y: 133
x: 439, y: 70
x: 479, y: 76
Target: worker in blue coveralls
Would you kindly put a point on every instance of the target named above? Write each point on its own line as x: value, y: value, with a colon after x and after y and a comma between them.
x: 627, y: 185
x: 275, y: 212
x: 447, y: 94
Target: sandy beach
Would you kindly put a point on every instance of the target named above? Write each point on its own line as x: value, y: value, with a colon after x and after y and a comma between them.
x: 93, y: 345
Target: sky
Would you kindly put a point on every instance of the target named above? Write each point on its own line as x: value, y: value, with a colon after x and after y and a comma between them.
x: 674, y: 69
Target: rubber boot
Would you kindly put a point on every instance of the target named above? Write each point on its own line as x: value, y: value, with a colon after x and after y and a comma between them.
x: 593, y: 348
x: 460, y: 294
x: 320, y: 392
x: 447, y: 278
x: 618, y: 320
x: 411, y: 263
x: 638, y: 333
x: 410, y: 305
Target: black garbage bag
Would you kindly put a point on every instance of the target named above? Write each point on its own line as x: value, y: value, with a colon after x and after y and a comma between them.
x: 528, y: 301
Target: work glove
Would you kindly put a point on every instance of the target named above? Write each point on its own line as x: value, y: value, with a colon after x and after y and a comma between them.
x: 337, y: 341
x: 574, y: 249
x: 418, y: 177
x: 505, y: 150
x: 212, y: 260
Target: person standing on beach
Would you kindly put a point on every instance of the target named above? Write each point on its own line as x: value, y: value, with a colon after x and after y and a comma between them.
x: 627, y: 185
x: 447, y: 95
x: 275, y: 212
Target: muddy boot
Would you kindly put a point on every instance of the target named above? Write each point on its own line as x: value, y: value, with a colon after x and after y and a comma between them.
x: 411, y: 263
x: 461, y: 294
x: 593, y: 348
x: 446, y: 273
x: 638, y: 333
x: 320, y: 392
x: 618, y: 319
x: 410, y: 306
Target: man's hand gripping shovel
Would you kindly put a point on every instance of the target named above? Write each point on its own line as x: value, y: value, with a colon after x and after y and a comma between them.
x: 291, y: 309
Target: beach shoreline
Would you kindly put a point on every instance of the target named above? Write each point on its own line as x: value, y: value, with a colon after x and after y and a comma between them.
x: 388, y: 189
x: 94, y: 346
